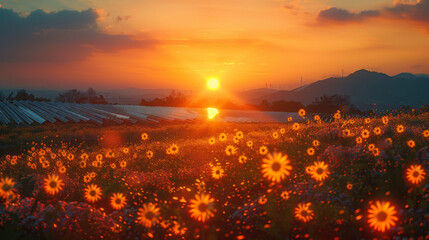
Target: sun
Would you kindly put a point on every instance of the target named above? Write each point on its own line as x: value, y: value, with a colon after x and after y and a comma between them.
x: 212, y: 84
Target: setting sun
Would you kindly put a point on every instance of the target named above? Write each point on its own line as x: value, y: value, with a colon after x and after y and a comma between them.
x: 213, y: 84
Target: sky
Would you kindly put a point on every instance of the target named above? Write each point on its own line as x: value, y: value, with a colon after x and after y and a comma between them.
x: 110, y: 44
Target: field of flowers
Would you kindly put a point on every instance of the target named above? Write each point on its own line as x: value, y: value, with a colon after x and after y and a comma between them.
x: 346, y: 178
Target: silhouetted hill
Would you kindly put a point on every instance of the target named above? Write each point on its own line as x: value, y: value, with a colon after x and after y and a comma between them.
x: 365, y: 89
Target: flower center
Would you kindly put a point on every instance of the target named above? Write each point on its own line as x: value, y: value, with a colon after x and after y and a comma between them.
x: 276, y: 166
x: 415, y: 174
x: 202, y: 207
x: 149, y: 215
x: 319, y: 171
x: 53, y: 184
x: 381, y: 216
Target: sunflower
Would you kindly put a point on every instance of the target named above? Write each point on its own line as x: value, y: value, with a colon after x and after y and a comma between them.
x: 310, y: 151
x: 53, y: 184
x: 303, y: 212
x: 285, y: 195
x: 316, y: 118
x: 289, y: 119
x: 282, y: 130
x: 349, y: 186
x: 174, y: 149
x: 62, y: 169
x: 87, y: 178
x: 385, y: 120
x: 262, y: 199
x: 337, y: 115
x: 263, y: 150
x: 295, y: 126
x: 6, y: 187
x: 367, y: 120
x: 236, y: 139
x: 92, y: 193
x: 382, y: 216
x: 316, y: 143
x: 118, y: 201
x: 319, y: 171
x: 217, y: 172
x: 415, y: 174
x: 212, y: 141
x: 301, y: 112
x: 202, y: 207
x: 222, y: 137
x: 426, y: 133
x: 123, y: 164
x: 359, y: 140
x: 275, y: 135
x: 371, y: 147
x: 400, y: 128
x: 365, y: 134
x: 149, y: 154
x: 249, y: 143
x: 148, y: 215
x: 145, y: 136
x: 99, y: 157
x: 411, y: 143
x: 276, y: 167
x: 239, y: 134
x: 230, y: 150
x: 377, y: 131
x: 242, y: 159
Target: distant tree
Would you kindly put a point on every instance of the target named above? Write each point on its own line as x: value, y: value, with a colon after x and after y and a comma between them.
x: 2, y: 96
x: 22, y: 95
x: 75, y: 96
x: 330, y: 104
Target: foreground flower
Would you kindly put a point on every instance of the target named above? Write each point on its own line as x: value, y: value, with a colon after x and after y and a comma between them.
x: 415, y: 174
x: 217, y: 172
x: 118, y: 201
x: 303, y: 212
x: 53, y: 184
x: 6, y: 187
x: 148, y: 215
x: 202, y: 207
x: 382, y: 216
x: 319, y: 171
x: 276, y: 167
x: 92, y: 193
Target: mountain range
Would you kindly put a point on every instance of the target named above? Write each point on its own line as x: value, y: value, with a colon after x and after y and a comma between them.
x: 366, y: 89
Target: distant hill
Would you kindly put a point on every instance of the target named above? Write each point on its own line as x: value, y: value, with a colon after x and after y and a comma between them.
x: 365, y: 88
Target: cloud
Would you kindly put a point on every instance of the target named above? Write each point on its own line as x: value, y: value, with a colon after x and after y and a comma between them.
x: 407, y: 10
x: 403, y: 10
x: 61, y: 36
x: 334, y: 14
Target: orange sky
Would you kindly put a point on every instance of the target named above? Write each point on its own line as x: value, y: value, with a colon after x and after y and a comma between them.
x: 244, y: 43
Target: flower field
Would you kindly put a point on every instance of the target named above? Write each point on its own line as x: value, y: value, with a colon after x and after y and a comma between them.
x: 342, y: 178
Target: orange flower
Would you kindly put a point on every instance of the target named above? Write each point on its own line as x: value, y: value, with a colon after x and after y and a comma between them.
x: 276, y: 167
x: 303, y: 212
x: 382, y: 216
x: 53, y: 184
x: 202, y: 207
x: 415, y: 174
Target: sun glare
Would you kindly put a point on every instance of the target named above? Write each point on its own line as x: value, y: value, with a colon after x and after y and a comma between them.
x: 213, y: 84
x: 212, y: 112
